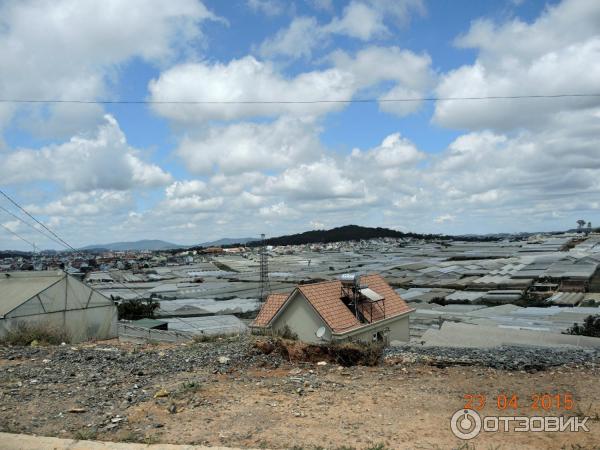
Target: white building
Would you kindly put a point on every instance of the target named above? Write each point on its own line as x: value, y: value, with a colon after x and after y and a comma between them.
x: 57, y: 300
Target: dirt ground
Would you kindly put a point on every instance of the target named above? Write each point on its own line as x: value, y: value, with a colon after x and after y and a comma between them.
x: 305, y: 406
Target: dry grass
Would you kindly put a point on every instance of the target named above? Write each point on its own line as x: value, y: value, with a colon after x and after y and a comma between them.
x: 38, y: 333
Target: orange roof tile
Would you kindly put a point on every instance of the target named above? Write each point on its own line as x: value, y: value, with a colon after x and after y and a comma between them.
x: 325, y: 297
x: 272, y: 305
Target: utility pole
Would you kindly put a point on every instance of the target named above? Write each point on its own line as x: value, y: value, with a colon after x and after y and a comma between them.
x: 264, y: 271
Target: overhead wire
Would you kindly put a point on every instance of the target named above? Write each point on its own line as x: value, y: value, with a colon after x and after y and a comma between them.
x: 300, y: 102
x: 69, y: 246
x: 17, y: 235
x: 30, y: 225
x: 35, y: 220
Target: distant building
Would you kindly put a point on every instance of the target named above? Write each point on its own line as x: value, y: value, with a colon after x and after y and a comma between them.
x: 57, y: 300
x: 213, y: 250
x: 355, y: 308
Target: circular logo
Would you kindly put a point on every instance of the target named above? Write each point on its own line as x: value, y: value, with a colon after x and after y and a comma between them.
x: 465, y: 424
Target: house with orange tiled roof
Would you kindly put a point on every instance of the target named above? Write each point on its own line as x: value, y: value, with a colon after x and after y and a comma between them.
x: 362, y: 308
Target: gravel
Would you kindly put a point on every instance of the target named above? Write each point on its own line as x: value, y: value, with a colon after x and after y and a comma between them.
x: 109, y: 380
x: 63, y: 388
x: 503, y: 357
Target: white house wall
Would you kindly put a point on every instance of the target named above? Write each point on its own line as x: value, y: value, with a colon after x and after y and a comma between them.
x: 397, y: 330
x: 302, y: 320
x: 400, y: 330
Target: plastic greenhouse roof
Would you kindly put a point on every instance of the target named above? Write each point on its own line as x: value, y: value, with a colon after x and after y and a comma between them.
x: 18, y: 287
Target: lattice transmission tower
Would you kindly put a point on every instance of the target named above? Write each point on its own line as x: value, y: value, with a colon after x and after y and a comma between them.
x: 265, y: 287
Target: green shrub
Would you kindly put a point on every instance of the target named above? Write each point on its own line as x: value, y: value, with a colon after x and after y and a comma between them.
x: 137, y: 309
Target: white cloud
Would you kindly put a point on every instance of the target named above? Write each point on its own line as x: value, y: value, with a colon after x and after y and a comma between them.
x: 245, y: 80
x: 371, y: 66
x: 444, y: 218
x: 69, y: 49
x: 322, y: 5
x: 267, y: 7
x: 192, y: 204
x: 277, y: 211
x: 394, y: 151
x: 482, y: 182
x: 520, y: 165
x: 558, y: 53
x: 82, y: 204
x: 374, y: 64
x: 364, y: 20
x: 322, y: 179
x: 104, y: 161
x: 527, y: 172
x: 236, y: 184
x: 185, y: 188
x: 247, y: 147
x: 399, y: 12
x: 296, y: 41
x: 359, y: 21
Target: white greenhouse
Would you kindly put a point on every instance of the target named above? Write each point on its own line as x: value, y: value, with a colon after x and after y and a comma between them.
x: 57, y: 300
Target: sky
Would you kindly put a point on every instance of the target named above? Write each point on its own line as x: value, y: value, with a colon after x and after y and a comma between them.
x: 189, y: 173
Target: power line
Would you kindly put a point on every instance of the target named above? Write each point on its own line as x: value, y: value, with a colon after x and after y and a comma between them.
x: 30, y: 225
x: 17, y: 235
x: 301, y: 102
x: 37, y: 221
x: 63, y: 242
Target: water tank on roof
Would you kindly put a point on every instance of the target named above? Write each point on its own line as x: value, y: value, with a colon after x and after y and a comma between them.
x: 347, y: 277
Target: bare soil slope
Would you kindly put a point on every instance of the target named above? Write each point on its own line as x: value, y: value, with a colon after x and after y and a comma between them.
x: 229, y: 393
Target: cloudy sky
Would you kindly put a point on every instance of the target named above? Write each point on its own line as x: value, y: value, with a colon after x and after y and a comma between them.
x: 188, y: 173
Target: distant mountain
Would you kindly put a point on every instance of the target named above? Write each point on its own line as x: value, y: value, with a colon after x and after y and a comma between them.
x: 146, y: 244
x: 227, y: 241
x: 356, y: 233
x: 339, y: 234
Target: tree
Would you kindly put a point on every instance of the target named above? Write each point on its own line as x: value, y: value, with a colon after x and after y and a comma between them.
x: 580, y: 224
x: 590, y: 327
x: 137, y: 309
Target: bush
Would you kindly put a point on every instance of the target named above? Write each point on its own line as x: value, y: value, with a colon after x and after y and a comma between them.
x: 40, y: 333
x: 137, y: 309
x: 590, y: 327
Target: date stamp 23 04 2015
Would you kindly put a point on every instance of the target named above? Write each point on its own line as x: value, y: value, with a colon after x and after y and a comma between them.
x: 545, y: 409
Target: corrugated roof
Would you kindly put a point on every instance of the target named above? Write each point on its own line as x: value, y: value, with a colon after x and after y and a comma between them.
x: 18, y: 287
